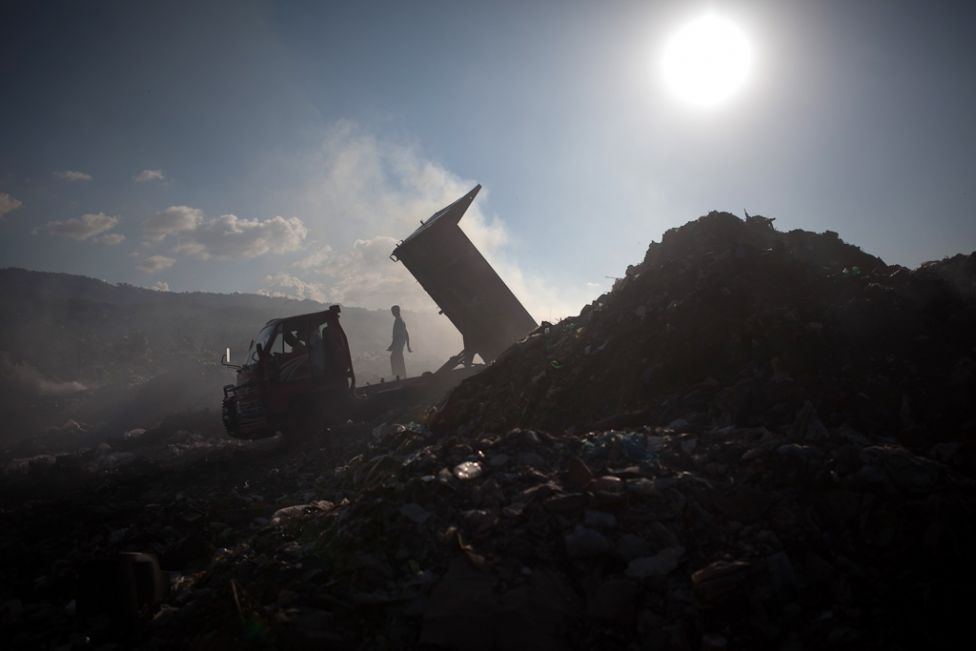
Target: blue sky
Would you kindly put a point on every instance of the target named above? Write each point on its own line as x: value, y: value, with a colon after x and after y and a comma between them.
x: 283, y: 147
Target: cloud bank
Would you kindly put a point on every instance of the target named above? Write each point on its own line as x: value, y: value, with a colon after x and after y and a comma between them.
x: 227, y: 236
x: 173, y: 220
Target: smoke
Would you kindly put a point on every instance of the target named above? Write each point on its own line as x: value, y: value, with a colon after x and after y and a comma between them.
x: 362, y: 196
x: 26, y: 376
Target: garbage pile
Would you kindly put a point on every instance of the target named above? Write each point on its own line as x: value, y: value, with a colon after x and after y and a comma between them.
x: 757, y: 440
x: 730, y: 322
x: 178, y: 493
x: 652, y: 537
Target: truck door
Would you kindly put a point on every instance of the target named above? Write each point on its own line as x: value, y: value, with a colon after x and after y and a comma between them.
x: 336, y: 366
x: 291, y: 353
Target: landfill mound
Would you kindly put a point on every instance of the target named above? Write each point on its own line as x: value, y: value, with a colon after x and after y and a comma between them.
x: 730, y: 322
x: 652, y: 538
x: 750, y: 491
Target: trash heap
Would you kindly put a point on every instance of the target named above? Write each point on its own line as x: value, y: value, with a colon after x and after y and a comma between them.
x: 643, y: 538
x: 181, y: 491
x: 730, y: 322
x: 757, y: 440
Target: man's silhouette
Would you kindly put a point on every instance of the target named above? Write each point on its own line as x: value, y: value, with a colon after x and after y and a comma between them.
x: 401, y: 338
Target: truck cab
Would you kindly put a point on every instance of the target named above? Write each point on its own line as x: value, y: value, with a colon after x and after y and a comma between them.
x: 293, y: 367
x: 300, y: 368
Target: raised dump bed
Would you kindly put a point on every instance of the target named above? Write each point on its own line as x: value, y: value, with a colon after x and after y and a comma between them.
x: 463, y: 284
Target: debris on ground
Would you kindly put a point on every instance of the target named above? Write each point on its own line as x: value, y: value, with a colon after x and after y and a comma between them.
x: 742, y: 446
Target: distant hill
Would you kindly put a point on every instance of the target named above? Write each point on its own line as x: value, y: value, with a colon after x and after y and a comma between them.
x: 78, y: 347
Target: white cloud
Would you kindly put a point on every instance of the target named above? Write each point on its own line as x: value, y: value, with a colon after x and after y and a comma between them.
x: 110, y: 239
x: 175, y: 219
x: 155, y: 263
x: 149, y: 175
x: 230, y: 236
x: 160, y: 286
x: 286, y: 285
x: 316, y: 258
x: 82, y: 228
x: 73, y: 175
x: 194, y: 249
x: 363, y: 275
x: 227, y: 236
x: 373, y: 193
x: 8, y: 204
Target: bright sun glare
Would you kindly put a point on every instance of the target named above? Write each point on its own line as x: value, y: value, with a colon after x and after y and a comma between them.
x: 707, y: 61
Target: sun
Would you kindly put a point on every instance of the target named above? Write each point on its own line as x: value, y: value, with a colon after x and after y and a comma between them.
x: 707, y: 61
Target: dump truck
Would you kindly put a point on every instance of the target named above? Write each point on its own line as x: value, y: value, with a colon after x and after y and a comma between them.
x: 299, y: 371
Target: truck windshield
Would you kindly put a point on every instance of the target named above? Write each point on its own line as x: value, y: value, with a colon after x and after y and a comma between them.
x: 266, y: 339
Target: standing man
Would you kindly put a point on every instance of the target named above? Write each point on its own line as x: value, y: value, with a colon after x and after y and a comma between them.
x: 400, y: 338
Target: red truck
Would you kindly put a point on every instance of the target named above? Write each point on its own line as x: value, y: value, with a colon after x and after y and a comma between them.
x: 299, y: 370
